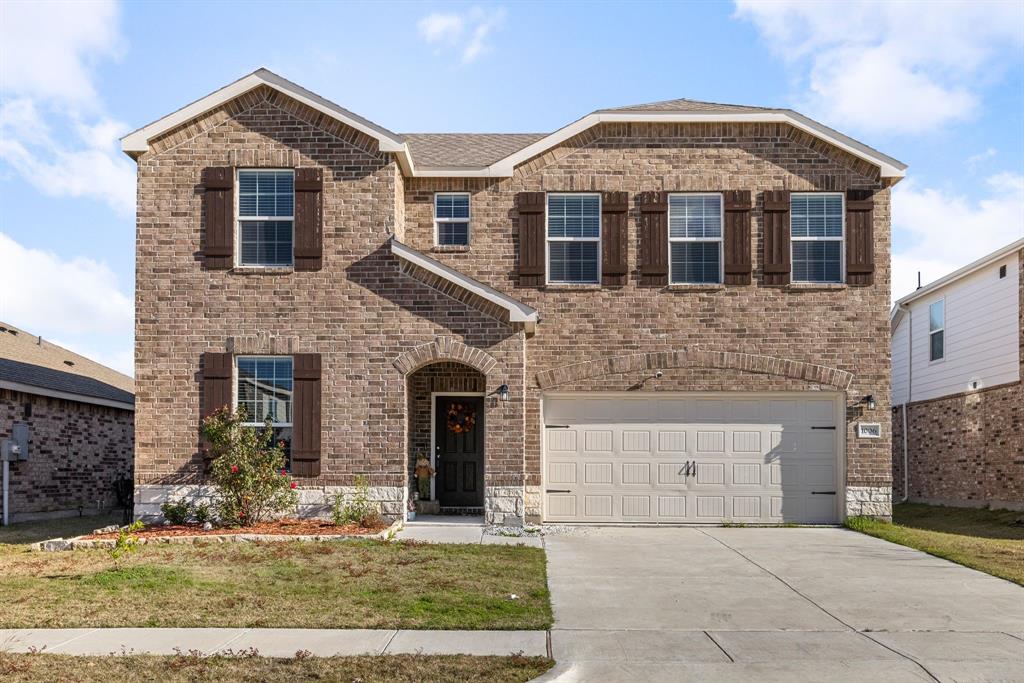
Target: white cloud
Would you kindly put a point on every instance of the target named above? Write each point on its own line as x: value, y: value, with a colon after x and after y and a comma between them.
x: 75, y: 300
x: 897, y: 67
x: 975, y: 160
x: 53, y: 130
x: 467, y: 32
x: 947, y: 231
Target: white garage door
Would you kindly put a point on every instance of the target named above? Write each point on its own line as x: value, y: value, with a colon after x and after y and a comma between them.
x: 756, y: 458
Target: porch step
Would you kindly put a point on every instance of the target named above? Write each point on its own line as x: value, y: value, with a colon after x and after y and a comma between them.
x: 469, y: 511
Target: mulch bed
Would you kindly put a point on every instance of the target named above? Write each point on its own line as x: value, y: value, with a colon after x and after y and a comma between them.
x: 281, y: 527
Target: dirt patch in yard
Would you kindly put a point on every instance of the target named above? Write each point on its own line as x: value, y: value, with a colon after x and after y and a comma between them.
x: 281, y: 527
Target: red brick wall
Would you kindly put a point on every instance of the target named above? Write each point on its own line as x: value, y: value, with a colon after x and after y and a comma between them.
x: 76, y: 453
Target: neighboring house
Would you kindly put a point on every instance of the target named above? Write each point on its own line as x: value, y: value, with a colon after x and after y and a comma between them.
x: 79, y: 419
x: 957, y: 350
x: 673, y: 312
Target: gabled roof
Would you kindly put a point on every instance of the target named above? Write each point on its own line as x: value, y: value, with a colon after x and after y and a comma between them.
x: 31, y: 364
x: 465, y: 155
x: 898, y: 309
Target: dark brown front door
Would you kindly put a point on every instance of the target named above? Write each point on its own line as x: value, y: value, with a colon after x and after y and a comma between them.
x: 459, y: 451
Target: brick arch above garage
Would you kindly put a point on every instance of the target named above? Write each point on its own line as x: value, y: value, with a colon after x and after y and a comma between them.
x: 444, y: 349
x: 722, y: 360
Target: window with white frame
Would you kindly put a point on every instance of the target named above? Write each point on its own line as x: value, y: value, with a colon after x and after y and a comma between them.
x: 937, y: 330
x: 451, y: 218
x: 816, y: 231
x: 695, y: 238
x: 263, y: 388
x: 574, y: 238
x: 266, y: 208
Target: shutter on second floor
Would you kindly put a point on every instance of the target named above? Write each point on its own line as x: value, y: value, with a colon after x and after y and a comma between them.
x: 532, y: 267
x: 653, y: 238
x: 309, y: 219
x: 777, y: 260
x: 219, y: 216
x: 860, y: 238
x: 614, y: 247
x: 306, y: 415
x: 736, y: 237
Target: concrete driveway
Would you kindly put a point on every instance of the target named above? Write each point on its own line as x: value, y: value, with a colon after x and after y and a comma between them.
x: 717, y: 604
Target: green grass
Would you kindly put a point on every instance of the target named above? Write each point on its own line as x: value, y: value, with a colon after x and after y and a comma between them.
x: 340, y: 584
x: 986, y: 540
x: 249, y: 666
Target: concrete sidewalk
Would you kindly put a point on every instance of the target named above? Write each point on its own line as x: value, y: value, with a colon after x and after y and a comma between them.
x: 272, y: 642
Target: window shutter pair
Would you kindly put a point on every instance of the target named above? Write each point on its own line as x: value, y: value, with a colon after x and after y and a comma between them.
x: 219, y: 209
x: 860, y: 243
x: 218, y: 377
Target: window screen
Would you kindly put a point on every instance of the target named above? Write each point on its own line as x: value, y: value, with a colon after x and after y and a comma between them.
x: 816, y: 230
x: 266, y: 207
x: 451, y: 215
x: 263, y: 388
x: 574, y: 237
x: 695, y: 238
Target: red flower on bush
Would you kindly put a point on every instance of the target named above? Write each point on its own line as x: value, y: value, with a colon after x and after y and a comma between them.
x: 294, y: 485
x: 284, y: 473
x: 234, y: 469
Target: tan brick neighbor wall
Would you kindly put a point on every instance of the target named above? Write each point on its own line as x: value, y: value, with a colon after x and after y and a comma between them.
x: 76, y: 453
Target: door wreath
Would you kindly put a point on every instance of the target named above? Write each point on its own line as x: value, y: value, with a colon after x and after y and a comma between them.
x: 460, y: 418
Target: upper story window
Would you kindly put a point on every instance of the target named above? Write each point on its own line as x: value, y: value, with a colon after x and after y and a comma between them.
x: 816, y: 231
x: 695, y: 238
x: 266, y: 221
x: 574, y: 238
x: 451, y: 218
x: 263, y: 387
x: 937, y: 330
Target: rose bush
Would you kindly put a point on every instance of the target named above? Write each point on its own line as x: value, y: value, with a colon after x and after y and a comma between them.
x: 248, y: 470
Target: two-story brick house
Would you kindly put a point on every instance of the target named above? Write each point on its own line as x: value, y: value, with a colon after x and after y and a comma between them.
x: 673, y: 312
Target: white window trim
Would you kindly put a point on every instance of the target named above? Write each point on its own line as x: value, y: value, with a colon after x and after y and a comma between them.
x: 234, y: 387
x: 468, y: 220
x: 720, y: 239
x: 841, y: 239
x: 548, y: 240
x: 941, y: 330
x: 239, y: 219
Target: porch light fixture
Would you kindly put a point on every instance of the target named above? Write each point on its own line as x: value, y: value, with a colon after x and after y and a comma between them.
x: 870, y: 401
x: 503, y: 392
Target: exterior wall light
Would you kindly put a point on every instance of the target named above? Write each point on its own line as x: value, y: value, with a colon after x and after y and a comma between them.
x: 503, y: 392
x: 870, y: 401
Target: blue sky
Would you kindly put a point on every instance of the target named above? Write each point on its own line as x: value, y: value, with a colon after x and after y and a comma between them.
x: 939, y: 86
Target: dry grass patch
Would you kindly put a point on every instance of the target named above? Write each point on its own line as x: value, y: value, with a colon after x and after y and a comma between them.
x: 991, y: 541
x: 251, y: 667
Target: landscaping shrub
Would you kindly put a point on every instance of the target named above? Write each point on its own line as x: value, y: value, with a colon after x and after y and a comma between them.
x: 248, y: 470
x: 360, y: 510
x: 177, y: 513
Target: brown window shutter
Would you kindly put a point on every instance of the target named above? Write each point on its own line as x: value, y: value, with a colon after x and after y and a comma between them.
x: 653, y: 238
x: 614, y: 257
x: 532, y: 266
x: 860, y: 238
x: 309, y: 218
x: 216, y: 389
x: 219, y: 209
x: 306, y: 415
x: 736, y: 237
x: 777, y: 263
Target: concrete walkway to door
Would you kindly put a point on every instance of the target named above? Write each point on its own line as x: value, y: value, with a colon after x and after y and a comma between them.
x: 718, y: 604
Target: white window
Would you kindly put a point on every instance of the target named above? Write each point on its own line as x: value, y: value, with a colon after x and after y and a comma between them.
x: 816, y: 231
x: 451, y: 218
x: 937, y: 330
x: 263, y: 388
x: 574, y: 238
x: 266, y: 208
x: 695, y: 238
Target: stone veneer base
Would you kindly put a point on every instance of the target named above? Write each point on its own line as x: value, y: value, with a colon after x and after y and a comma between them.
x: 869, y: 501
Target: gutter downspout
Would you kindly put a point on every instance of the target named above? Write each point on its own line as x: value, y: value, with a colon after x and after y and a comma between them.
x: 6, y: 476
x: 910, y: 388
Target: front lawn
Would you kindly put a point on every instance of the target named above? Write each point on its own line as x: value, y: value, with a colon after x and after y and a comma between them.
x: 250, y: 667
x: 987, y: 540
x: 337, y: 584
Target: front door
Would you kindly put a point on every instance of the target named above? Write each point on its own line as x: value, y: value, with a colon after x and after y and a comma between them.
x: 459, y: 451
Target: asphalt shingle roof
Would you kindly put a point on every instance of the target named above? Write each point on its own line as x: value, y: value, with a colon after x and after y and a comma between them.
x: 468, y: 150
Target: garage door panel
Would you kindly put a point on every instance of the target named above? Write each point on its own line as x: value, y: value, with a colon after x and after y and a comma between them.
x: 749, y: 459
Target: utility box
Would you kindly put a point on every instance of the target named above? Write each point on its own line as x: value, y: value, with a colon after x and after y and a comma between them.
x: 15, y: 447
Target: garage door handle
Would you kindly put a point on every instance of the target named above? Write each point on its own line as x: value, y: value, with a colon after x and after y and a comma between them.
x: 556, y: 426
x: 832, y: 428
x: 823, y: 493
x: 558, y: 490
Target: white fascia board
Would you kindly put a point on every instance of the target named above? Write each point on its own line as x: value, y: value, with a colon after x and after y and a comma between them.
x: 518, y: 312
x: 67, y: 396
x: 888, y: 167
x: 983, y: 262
x: 138, y: 141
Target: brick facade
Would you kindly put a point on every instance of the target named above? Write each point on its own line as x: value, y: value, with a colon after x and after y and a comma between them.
x: 966, y: 449
x: 76, y: 453
x: 367, y: 314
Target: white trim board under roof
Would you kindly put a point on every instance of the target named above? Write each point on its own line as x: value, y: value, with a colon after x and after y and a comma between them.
x: 518, y: 312
x: 899, y: 309
x: 671, y: 111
